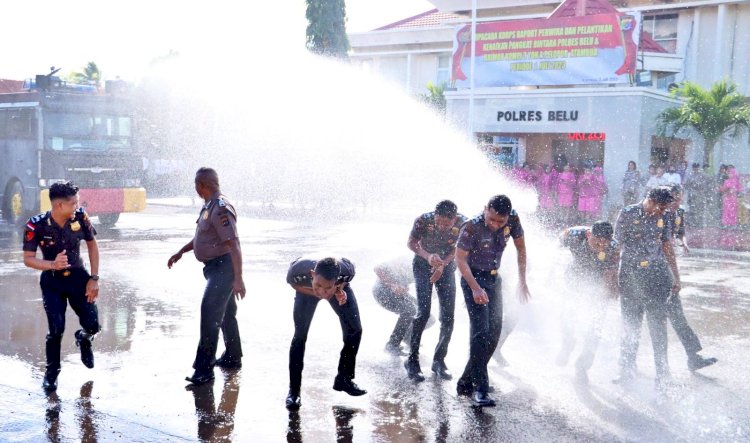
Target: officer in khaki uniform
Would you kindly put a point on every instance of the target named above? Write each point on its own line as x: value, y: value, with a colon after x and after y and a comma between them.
x: 217, y: 245
x: 65, y: 280
x: 645, y: 237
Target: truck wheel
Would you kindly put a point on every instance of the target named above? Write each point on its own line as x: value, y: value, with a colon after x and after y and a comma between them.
x: 13, y: 204
x: 108, y: 220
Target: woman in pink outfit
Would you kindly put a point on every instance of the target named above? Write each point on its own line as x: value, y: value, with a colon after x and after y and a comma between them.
x: 545, y: 186
x: 730, y: 190
x: 566, y: 186
x: 588, y: 192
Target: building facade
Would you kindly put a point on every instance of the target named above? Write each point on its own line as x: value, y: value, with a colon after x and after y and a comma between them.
x: 607, y: 124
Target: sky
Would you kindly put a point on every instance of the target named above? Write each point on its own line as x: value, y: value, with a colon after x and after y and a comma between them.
x: 124, y: 37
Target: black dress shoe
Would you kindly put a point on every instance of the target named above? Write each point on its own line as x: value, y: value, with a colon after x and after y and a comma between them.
x: 84, y: 342
x: 49, y: 383
x: 482, y: 400
x: 696, y: 362
x: 463, y: 388
x: 348, y: 386
x: 293, y: 401
x: 227, y: 363
x: 439, y: 368
x: 200, y: 379
x: 413, y: 371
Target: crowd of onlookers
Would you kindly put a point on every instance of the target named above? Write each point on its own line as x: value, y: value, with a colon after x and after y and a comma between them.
x: 569, y: 195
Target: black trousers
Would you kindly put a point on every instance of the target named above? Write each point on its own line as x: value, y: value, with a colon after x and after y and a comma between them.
x: 446, y: 291
x: 404, y: 305
x: 644, y: 290
x: 685, y: 333
x: 218, y: 312
x: 486, y: 324
x: 57, y: 292
x: 351, y: 330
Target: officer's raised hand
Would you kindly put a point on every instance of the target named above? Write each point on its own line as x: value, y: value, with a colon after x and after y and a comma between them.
x: 92, y: 290
x: 61, y: 261
x: 340, y: 295
x: 480, y: 296
x: 238, y: 288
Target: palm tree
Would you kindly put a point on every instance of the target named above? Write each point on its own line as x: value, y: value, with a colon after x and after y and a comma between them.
x: 90, y: 75
x: 711, y: 113
x: 435, y: 96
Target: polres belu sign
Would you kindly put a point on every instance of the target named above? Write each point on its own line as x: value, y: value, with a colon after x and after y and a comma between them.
x: 591, y: 49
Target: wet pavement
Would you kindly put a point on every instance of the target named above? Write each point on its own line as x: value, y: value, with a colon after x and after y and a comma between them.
x: 149, y: 316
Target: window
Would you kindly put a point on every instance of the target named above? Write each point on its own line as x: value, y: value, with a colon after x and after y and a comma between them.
x: 664, y: 80
x: 444, y: 70
x: 20, y: 124
x: 87, y: 131
x: 663, y: 29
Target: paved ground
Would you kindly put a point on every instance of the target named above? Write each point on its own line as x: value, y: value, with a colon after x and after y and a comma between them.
x: 149, y: 315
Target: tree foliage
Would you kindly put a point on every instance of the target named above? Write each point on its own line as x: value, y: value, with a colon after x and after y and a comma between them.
x: 711, y: 113
x: 435, y: 97
x: 326, y: 28
x: 89, y: 75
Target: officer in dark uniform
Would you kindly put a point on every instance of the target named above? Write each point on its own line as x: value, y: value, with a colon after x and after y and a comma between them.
x: 327, y: 279
x: 64, y: 280
x: 391, y: 291
x: 596, y: 257
x: 217, y: 245
x: 480, y: 248
x: 433, y: 240
x: 645, y: 236
x: 675, y: 313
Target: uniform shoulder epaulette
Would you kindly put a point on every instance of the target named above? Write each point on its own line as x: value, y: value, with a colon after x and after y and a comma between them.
x: 513, y: 213
x: 37, y: 218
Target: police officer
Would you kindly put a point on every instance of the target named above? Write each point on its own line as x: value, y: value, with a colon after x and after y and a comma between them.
x: 65, y: 280
x: 675, y: 313
x: 480, y: 248
x: 596, y: 257
x: 217, y: 245
x: 391, y: 291
x: 433, y: 241
x: 327, y: 279
x: 644, y: 234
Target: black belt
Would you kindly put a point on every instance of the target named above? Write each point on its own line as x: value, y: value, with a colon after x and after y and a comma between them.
x: 492, y: 272
x: 62, y: 272
x: 216, y: 260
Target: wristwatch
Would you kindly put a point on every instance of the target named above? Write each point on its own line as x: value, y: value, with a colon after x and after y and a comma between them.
x: 94, y: 277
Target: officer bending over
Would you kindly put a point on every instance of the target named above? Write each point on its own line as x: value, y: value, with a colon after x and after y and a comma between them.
x: 591, y: 274
x: 327, y: 279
